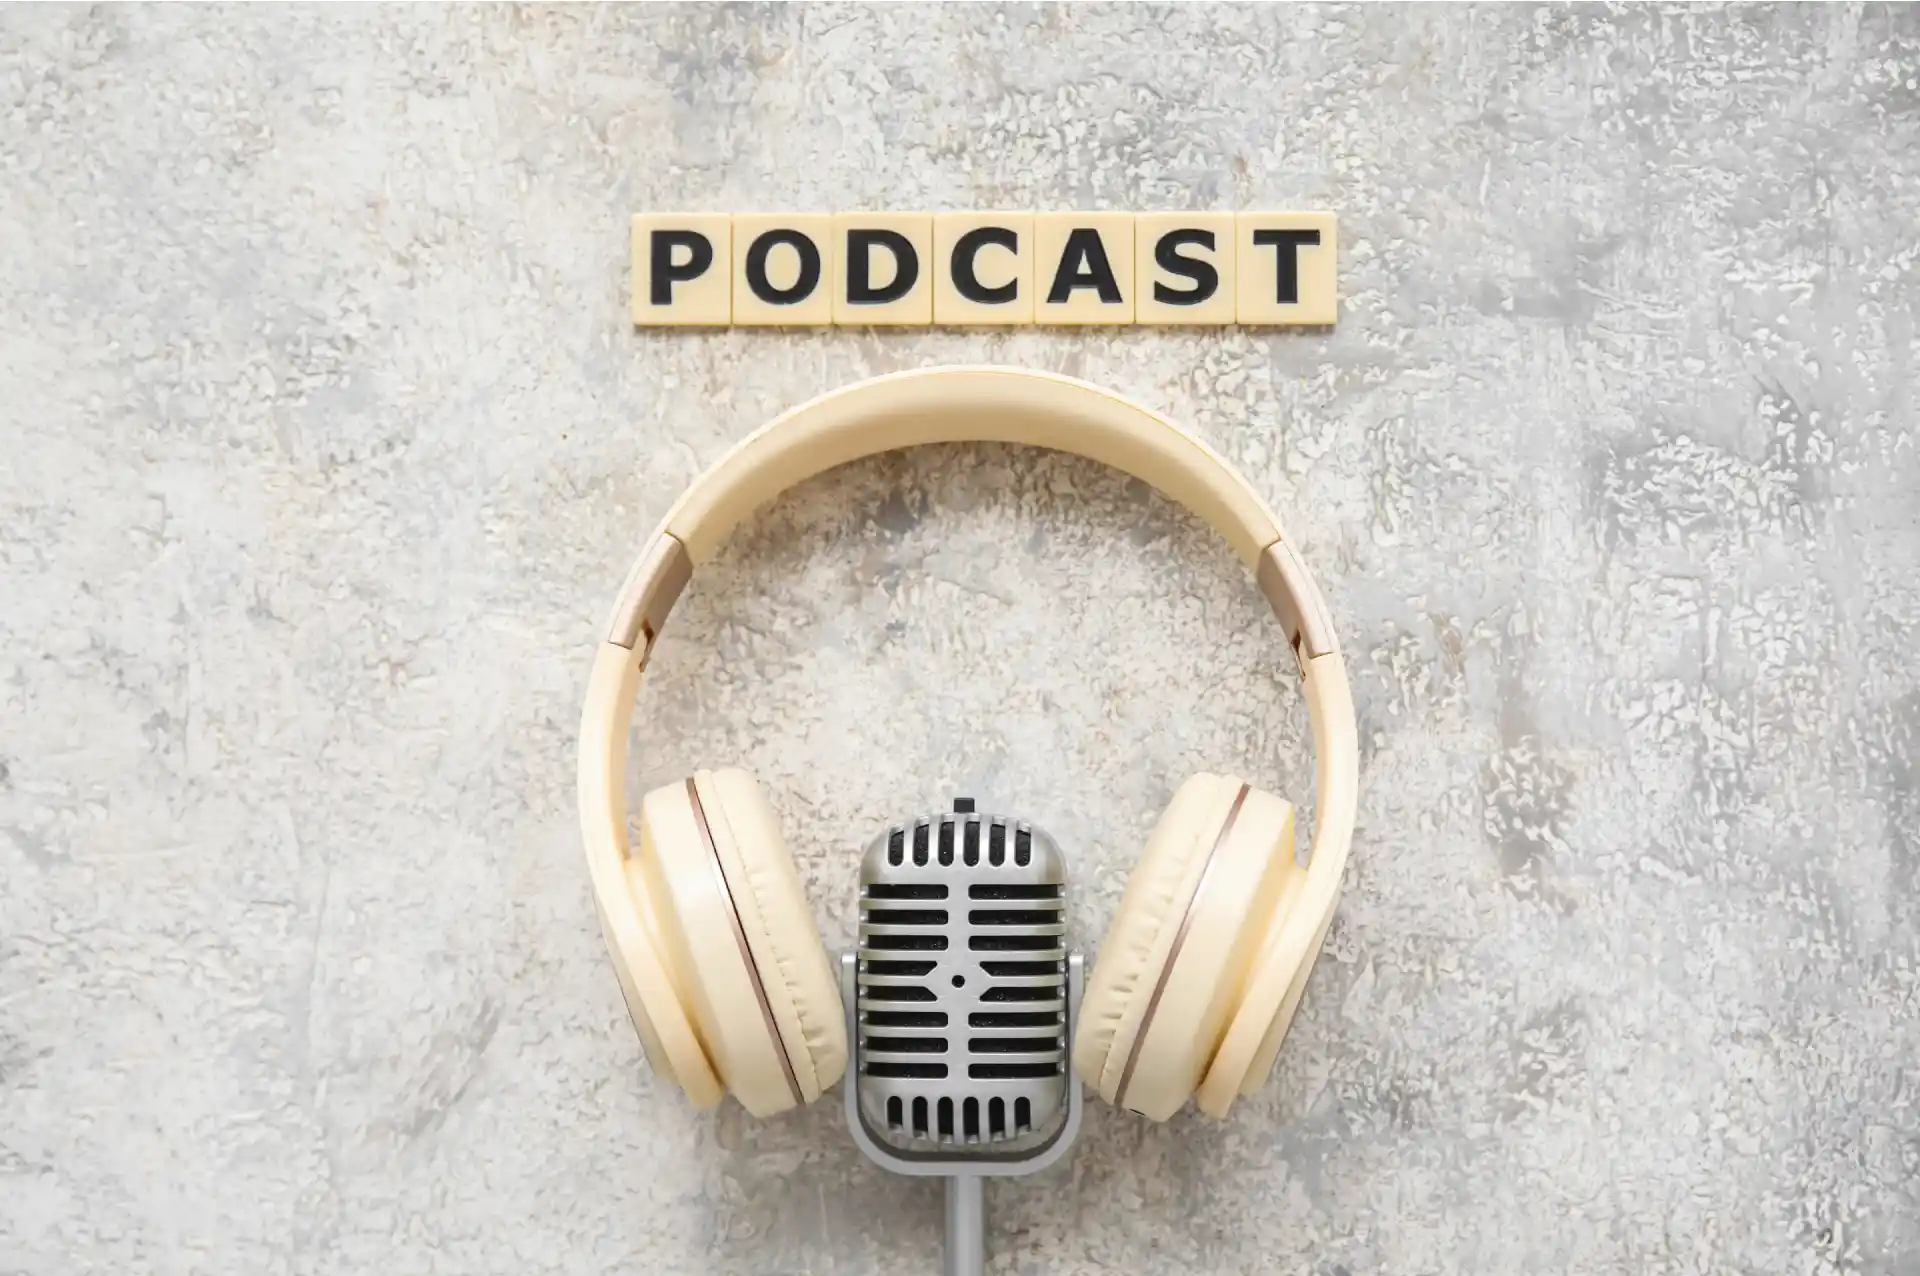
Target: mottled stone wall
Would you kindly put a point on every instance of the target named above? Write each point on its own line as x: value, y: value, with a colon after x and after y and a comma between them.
x: 327, y: 441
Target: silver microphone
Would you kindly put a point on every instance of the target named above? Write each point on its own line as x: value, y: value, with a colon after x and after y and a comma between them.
x: 961, y: 1003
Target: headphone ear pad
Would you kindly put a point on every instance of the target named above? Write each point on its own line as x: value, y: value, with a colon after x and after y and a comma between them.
x: 739, y: 939
x: 1169, y: 973
x: 799, y: 976
x: 675, y: 870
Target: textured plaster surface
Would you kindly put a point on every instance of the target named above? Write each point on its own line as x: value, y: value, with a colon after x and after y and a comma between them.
x: 326, y: 443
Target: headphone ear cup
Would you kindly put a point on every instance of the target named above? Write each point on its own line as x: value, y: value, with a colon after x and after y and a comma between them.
x: 667, y: 1037
x: 1245, y: 1060
x: 740, y: 945
x: 1169, y: 975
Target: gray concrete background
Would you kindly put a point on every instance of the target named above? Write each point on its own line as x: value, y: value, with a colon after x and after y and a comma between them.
x: 327, y: 443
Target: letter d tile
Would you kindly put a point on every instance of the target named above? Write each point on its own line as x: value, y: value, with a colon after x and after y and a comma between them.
x: 883, y: 268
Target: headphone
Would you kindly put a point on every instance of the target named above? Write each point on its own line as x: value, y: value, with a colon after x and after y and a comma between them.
x: 721, y: 966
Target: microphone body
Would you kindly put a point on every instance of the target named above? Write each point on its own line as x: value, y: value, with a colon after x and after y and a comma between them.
x: 961, y: 999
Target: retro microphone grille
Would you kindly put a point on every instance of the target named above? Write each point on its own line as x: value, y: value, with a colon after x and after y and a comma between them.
x: 961, y: 985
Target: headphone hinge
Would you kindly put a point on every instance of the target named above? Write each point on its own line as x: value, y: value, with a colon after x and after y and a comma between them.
x: 652, y: 588
x: 1296, y: 602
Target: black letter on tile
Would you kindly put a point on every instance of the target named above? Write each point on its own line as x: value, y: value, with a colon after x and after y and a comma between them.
x: 665, y: 274
x: 1286, y: 246
x: 757, y: 267
x: 1166, y: 254
x: 968, y: 284
x: 1084, y: 264
x: 906, y: 267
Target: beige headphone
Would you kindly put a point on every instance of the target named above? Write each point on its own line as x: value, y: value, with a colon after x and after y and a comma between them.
x: 719, y: 960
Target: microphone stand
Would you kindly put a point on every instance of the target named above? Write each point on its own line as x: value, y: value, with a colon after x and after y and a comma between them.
x: 966, y: 1232
x: 966, y: 1225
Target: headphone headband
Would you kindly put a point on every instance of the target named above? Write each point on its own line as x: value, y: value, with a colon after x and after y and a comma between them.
x: 1004, y: 405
